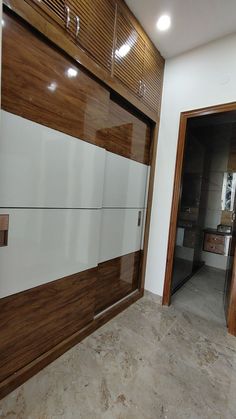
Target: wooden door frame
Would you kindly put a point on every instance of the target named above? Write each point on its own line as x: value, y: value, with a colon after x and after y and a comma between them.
x: 184, y: 116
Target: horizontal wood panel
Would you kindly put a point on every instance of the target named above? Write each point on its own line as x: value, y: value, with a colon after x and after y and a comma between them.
x: 41, y: 89
x: 127, y: 135
x: 63, y: 40
x: 214, y: 239
x: 36, y: 320
x: 23, y: 374
x: 96, y: 31
x: 54, y: 8
x: 116, y: 279
x: 129, y: 54
x: 214, y: 248
x: 153, y: 78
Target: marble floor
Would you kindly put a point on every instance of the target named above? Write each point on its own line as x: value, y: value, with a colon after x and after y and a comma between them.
x: 149, y: 362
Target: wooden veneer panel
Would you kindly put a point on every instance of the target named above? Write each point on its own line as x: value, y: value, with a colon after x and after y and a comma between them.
x: 34, y: 321
x: 36, y: 86
x: 116, y: 279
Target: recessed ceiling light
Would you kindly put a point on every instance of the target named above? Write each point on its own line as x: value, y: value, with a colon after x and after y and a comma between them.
x: 163, y: 23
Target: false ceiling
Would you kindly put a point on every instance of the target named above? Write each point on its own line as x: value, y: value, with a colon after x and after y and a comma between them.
x: 194, y: 22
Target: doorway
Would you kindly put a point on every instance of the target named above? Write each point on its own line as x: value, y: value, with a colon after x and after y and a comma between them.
x: 201, y: 243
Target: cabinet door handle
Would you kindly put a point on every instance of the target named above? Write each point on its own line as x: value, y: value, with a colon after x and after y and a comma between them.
x: 144, y: 90
x: 140, y: 88
x: 139, y: 218
x: 67, y: 11
x: 77, y: 21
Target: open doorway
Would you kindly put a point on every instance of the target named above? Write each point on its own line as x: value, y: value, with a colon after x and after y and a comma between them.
x: 201, y: 248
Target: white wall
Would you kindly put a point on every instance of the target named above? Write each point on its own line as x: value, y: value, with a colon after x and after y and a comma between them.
x: 0, y: 47
x: 203, y: 77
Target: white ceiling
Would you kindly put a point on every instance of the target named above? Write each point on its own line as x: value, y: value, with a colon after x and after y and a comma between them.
x: 194, y: 22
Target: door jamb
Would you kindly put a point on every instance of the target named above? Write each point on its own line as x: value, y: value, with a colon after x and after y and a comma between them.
x: 184, y: 116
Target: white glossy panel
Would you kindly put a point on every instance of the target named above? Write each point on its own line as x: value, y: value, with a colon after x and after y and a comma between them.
x: 125, y: 182
x: 41, y: 167
x: 45, y: 245
x: 120, y: 233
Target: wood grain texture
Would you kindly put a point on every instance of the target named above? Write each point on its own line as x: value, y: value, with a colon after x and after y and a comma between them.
x: 55, y: 9
x: 128, y: 68
x: 23, y: 374
x: 36, y: 320
x: 36, y: 86
x: 40, y: 20
x: 39, y: 89
x: 4, y: 222
x: 96, y: 28
x: 226, y: 218
x: 117, y: 278
x: 4, y: 225
x: 127, y: 135
x: 153, y: 72
x: 166, y: 300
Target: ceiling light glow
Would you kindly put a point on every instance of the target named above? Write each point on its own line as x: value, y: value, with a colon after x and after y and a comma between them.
x: 52, y: 86
x: 123, y: 51
x: 72, y: 72
x: 163, y: 23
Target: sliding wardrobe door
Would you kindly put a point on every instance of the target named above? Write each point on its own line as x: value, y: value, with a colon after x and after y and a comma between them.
x: 52, y: 164
x: 123, y: 215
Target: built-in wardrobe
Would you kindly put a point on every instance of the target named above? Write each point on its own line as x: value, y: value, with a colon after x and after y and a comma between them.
x: 75, y: 162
